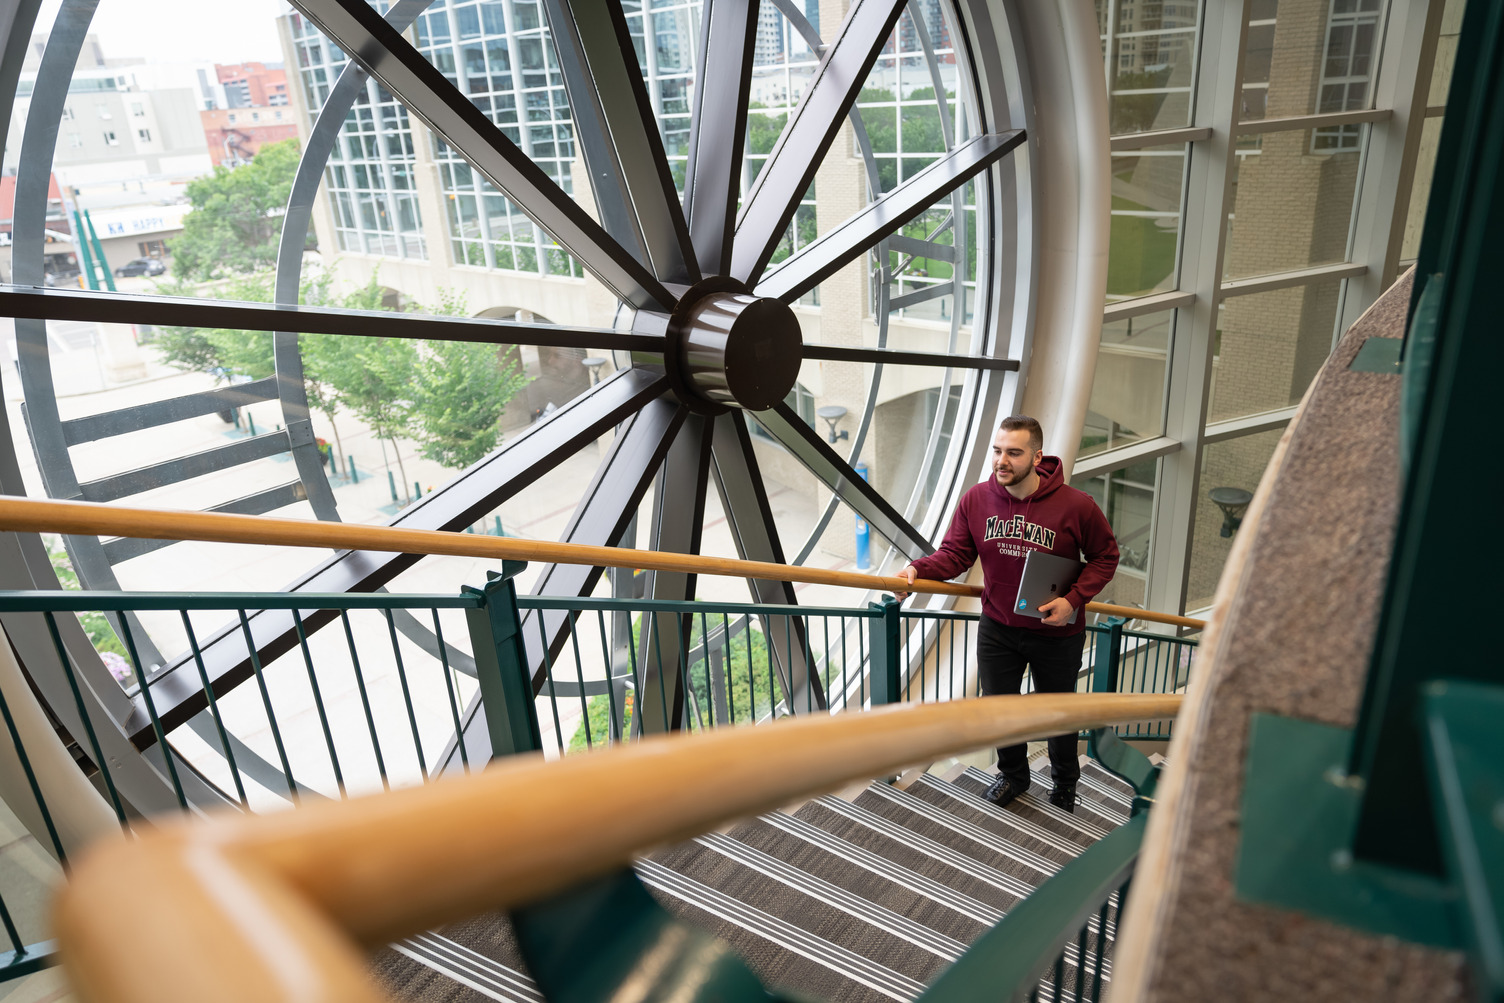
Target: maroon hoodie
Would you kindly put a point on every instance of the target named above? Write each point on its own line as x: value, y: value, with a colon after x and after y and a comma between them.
x: 1001, y: 529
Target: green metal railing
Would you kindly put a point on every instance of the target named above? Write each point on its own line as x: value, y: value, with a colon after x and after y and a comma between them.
x: 356, y: 706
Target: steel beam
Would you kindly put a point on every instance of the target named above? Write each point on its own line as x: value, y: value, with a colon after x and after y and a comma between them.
x: 812, y: 127
x: 678, y: 522
x: 94, y: 427
x: 175, y: 311
x: 718, y: 133
x: 618, y: 134
x: 472, y: 494
x: 605, y: 509
x: 898, y: 357
x: 744, y: 499
x: 862, y: 232
x: 810, y: 449
x: 419, y: 85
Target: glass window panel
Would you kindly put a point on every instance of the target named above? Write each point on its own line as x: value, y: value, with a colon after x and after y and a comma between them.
x: 1144, y: 244
x: 1150, y: 51
x: 1128, y: 390
x: 1238, y: 463
x: 1269, y: 346
x: 1302, y: 57
x: 1292, y: 200
x: 1126, y: 497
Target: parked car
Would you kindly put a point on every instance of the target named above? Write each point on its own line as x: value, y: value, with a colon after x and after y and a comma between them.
x: 141, y: 266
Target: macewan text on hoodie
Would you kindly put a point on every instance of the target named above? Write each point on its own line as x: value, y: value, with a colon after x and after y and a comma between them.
x: 1000, y: 529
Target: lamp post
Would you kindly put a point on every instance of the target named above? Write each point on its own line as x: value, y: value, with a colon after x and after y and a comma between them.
x: 833, y: 413
x: 593, y: 367
x: 1232, y: 502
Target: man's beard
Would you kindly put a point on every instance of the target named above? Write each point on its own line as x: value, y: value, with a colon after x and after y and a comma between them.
x: 1016, y: 477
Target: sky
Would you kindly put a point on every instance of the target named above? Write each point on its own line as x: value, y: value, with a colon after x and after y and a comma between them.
x: 221, y: 31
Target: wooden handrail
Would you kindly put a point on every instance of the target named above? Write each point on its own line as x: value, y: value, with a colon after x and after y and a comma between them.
x: 277, y: 907
x: 95, y: 519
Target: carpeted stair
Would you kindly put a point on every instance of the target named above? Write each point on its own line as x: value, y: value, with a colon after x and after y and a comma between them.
x: 844, y: 900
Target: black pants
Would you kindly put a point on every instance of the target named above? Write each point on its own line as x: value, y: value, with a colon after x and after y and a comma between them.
x: 1002, y: 654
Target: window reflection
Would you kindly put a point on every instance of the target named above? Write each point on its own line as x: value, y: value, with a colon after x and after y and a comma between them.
x: 1126, y: 497
x: 1150, y: 51
x: 1269, y: 346
x: 1128, y: 391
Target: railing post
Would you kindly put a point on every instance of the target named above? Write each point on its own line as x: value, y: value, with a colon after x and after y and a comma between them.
x: 884, y: 632
x: 506, y: 687
x: 1109, y: 654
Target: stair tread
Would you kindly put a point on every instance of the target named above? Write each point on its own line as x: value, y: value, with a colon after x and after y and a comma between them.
x: 1093, y: 818
x: 802, y: 909
x: 1032, y: 807
x: 1012, y: 831
x: 843, y: 976
x: 481, y: 950
x: 997, y: 892
x: 827, y: 865
x: 1027, y: 866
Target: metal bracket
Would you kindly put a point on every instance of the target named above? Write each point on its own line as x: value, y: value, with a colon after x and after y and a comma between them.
x: 1379, y: 355
x: 1299, y: 811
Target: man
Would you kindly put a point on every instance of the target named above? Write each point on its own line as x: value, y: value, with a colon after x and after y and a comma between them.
x: 1025, y: 506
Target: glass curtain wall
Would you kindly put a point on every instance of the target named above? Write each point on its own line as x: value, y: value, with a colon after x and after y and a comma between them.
x: 1255, y: 215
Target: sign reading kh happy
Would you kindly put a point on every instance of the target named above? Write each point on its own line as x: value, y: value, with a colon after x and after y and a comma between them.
x: 134, y: 220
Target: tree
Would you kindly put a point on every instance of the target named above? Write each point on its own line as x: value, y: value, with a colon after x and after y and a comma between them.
x: 372, y: 378
x: 461, y: 390
x: 236, y: 220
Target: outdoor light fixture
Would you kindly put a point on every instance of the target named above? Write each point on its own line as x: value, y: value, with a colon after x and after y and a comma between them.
x: 833, y: 413
x: 1232, y: 502
x: 593, y: 366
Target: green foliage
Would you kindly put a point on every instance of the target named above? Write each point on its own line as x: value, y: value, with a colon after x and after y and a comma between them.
x: 101, y: 634
x: 236, y: 220
x: 763, y: 129
x: 1137, y: 112
x: 747, y: 671
x: 371, y: 377
x: 1140, y: 255
x: 244, y: 353
x: 460, y: 391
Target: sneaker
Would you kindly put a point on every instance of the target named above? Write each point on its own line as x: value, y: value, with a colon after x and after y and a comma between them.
x: 1064, y: 797
x: 1003, y: 791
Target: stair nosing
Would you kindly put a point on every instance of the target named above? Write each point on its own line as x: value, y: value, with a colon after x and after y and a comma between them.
x: 836, y: 897
x: 854, y: 967
x: 932, y: 848
x: 411, y: 947
x: 982, y: 804
x: 1106, y: 811
x: 941, y: 894
x: 1028, y: 858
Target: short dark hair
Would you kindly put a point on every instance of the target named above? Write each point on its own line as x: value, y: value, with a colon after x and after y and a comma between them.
x: 1017, y: 422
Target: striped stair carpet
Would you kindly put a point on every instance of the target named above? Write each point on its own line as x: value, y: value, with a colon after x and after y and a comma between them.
x: 863, y: 900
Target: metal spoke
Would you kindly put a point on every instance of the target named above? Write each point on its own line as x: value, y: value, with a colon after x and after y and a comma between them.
x: 305, y: 187
x: 419, y: 85
x: 811, y: 450
x: 175, y: 311
x: 812, y: 127
x: 43, y: 424
x: 717, y: 136
x: 603, y: 514
x: 454, y: 506
x: 744, y: 498
x: 861, y: 232
x: 678, y: 521
x: 898, y: 357
x: 618, y: 135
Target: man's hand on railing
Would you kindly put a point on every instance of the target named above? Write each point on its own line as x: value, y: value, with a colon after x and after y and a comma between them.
x: 910, y: 574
